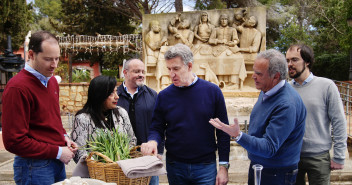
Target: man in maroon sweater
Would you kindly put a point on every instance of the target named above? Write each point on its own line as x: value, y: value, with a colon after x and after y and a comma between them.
x: 32, y: 127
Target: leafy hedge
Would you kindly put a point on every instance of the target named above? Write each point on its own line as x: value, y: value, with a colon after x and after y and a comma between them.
x: 334, y: 66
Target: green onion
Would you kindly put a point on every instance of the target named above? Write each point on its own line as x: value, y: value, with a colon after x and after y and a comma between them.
x: 110, y: 143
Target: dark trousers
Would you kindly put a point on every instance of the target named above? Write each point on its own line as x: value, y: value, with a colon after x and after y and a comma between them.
x: 317, y: 169
x: 275, y: 176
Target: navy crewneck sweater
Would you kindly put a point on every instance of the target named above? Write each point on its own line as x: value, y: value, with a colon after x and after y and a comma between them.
x: 184, y: 114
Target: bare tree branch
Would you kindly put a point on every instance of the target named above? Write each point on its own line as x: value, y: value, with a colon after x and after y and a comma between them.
x: 322, y: 13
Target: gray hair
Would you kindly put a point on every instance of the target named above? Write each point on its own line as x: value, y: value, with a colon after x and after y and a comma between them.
x: 277, y: 62
x: 127, y: 63
x: 179, y: 50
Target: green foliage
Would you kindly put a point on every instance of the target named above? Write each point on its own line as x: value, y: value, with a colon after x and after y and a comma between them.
x: 80, y: 75
x: 50, y: 8
x: 62, y: 71
x: 112, y: 73
x: 292, y: 33
x: 113, y: 144
x: 15, y: 16
x: 47, y: 16
x: 115, y: 59
x: 334, y: 66
x: 209, y: 5
x: 91, y: 17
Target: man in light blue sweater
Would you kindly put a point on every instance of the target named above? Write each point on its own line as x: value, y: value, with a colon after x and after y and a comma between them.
x: 324, y: 111
x: 276, y: 126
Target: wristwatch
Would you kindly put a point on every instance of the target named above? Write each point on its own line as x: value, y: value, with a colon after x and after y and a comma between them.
x: 227, y: 165
x: 237, y: 137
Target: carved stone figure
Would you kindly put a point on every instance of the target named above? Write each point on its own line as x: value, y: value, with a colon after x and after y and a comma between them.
x: 224, y: 36
x: 180, y: 30
x: 209, y: 75
x: 203, y: 30
x: 250, y: 37
x: 228, y: 62
x: 154, y: 39
x: 239, y: 18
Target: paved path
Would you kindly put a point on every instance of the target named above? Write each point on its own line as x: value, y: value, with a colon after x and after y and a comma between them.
x: 237, y: 172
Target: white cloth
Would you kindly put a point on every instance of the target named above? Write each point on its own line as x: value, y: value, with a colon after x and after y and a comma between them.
x: 142, y: 167
x: 81, y: 169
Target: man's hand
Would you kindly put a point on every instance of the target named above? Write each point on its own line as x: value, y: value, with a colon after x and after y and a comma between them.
x: 151, y: 147
x: 222, y: 177
x: 66, y: 155
x: 71, y: 145
x: 336, y: 166
x: 232, y: 130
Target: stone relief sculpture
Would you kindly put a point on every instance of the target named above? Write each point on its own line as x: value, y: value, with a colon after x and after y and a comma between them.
x: 239, y: 18
x: 209, y: 75
x: 181, y: 32
x: 250, y: 37
x: 222, y: 54
x: 203, y: 30
x: 224, y: 37
x: 154, y: 39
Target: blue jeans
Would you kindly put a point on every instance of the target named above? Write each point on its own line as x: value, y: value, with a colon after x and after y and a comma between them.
x: 275, y: 176
x: 154, y: 180
x: 186, y: 173
x: 38, y: 171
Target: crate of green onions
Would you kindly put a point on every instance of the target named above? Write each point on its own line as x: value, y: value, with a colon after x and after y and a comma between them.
x: 107, y: 147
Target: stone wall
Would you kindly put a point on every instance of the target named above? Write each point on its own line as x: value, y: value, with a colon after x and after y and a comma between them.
x: 72, y: 96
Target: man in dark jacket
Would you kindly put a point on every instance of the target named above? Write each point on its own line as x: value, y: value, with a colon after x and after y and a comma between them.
x: 139, y: 101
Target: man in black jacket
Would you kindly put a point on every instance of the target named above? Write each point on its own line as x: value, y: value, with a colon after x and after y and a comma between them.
x: 139, y: 101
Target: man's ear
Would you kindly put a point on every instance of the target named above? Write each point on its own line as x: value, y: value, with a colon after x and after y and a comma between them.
x: 307, y: 64
x: 277, y: 76
x: 124, y: 72
x: 190, y: 65
x: 31, y: 54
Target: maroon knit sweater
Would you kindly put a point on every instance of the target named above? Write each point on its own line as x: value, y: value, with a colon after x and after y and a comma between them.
x: 31, y: 119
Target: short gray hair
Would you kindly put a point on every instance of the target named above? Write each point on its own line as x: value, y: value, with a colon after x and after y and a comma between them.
x: 277, y: 62
x: 179, y: 50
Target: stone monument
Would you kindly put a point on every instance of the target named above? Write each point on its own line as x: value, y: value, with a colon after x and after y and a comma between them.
x: 224, y: 44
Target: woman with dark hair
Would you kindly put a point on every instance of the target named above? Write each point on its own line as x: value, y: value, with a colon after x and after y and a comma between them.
x: 100, y: 111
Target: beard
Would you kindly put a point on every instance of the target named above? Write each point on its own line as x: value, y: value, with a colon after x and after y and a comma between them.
x: 298, y: 73
x: 140, y: 83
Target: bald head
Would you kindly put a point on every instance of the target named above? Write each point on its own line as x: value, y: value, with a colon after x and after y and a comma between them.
x: 134, y: 71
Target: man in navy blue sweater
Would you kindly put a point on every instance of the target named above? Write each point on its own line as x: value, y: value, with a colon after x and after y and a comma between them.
x: 277, y: 123
x: 181, y: 113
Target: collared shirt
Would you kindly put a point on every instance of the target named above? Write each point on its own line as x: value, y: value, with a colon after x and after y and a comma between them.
x: 310, y: 77
x: 273, y: 90
x: 194, y: 81
x: 125, y: 87
x: 43, y: 79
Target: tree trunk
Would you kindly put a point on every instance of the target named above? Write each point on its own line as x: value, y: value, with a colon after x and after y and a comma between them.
x: 178, y: 5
